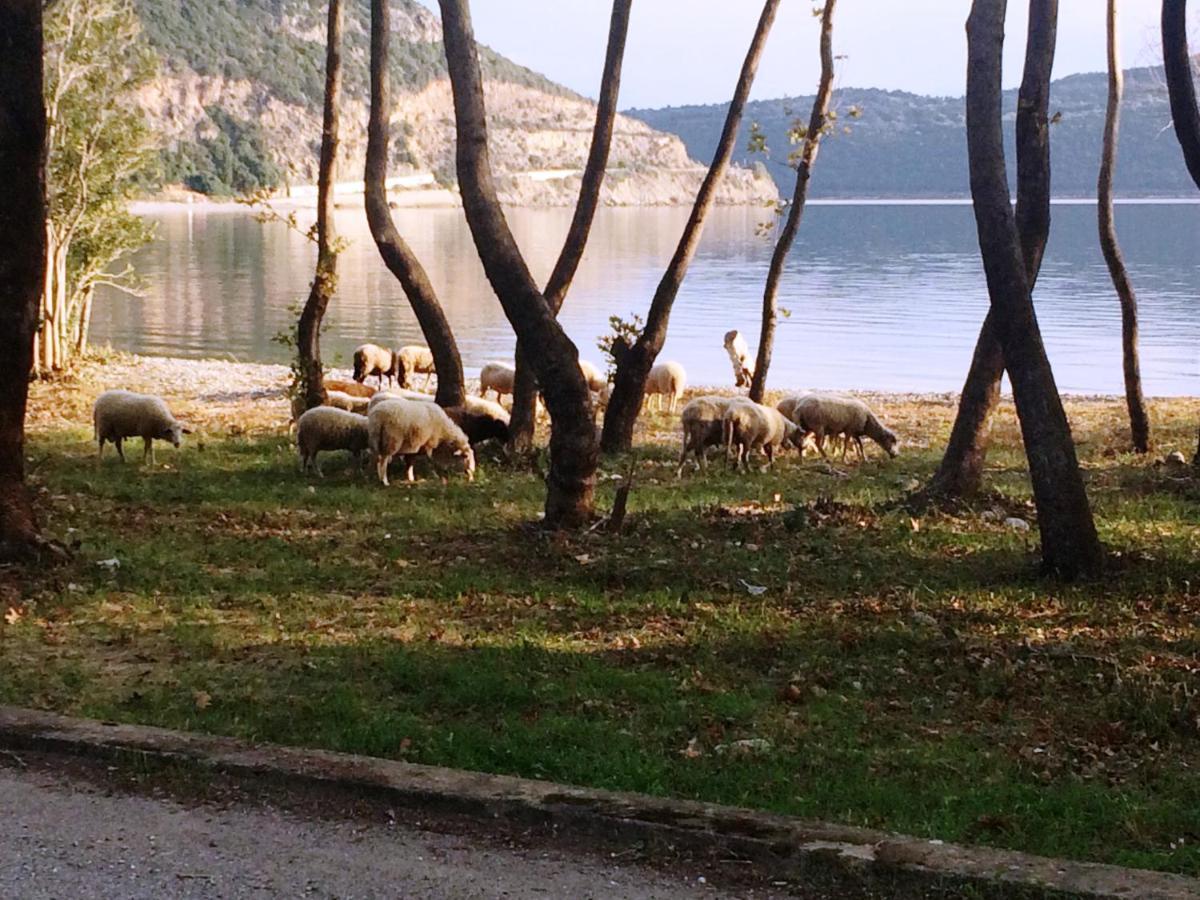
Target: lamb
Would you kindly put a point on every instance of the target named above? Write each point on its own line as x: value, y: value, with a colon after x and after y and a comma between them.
x: 353, y: 388
x: 825, y: 415
x: 667, y: 379
x: 411, y: 428
x: 498, y: 377
x: 338, y: 400
x: 596, y: 381
x: 371, y: 359
x: 701, y: 420
x: 739, y: 357
x: 415, y: 359
x: 751, y: 426
x: 330, y: 428
x: 117, y: 415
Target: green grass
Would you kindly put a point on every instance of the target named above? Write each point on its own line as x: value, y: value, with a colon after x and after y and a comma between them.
x: 910, y: 673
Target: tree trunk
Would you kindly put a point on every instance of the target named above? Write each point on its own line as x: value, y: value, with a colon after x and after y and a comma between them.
x: 808, y: 156
x: 1070, y: 546
x: 308, y: 330
x: 629, y: 386
x: 1177, y: 63
x: 524, y: 404
x: 1139, y: 422
x: 960, y: 473
x: 84, y: 327
x: 22, y: 258
x: 396, y: 253
x: 571, y: 480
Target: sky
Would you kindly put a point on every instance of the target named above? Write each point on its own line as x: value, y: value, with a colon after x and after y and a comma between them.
x: 689, y: 51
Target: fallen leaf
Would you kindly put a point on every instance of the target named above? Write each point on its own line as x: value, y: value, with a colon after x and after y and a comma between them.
x: 203, y: 699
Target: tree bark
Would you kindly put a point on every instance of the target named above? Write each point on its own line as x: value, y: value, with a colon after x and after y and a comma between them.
x: 397, y: 255
x: 525, y: 385
x: 634, y: 363
x: 960, y: 473
x: 308, y: 329
x: 1139, y: 421
x: 570, y: 483
x: 22, y: 258
x: 1070, y: 546
x: 808, y: 157
x: 1185, y: 114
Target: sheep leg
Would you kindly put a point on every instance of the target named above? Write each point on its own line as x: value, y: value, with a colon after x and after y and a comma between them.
x: 381, y: 467
x: 100, y: 451
x: 409, y: 462
x: 147, y: 450
x: 769, y: 450
x: 120, y: 451
x: 862, y: 453
x: 820, y: 438
x: 425, y: 383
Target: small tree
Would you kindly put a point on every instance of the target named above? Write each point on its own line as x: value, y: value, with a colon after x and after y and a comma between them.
x: 98, y: 143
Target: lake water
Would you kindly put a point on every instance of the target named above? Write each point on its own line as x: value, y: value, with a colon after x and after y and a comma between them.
x: 882, y: 296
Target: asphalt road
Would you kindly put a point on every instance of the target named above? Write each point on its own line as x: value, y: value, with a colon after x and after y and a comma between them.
x: 61, y: 837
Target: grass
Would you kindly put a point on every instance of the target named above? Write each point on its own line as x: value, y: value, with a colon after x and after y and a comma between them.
x: 907, y: 672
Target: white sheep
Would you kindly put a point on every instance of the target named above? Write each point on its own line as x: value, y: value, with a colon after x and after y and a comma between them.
x: 666, y: 379
x: 750, y: 426
x: 117, y: 415
x: 701, y: 421
x: 739, y: 358
x: 330, y: 428
x: 417, y: 360
x: 410, y: 428
x: 824, y: 415
x: 397, y: 394
x: 788, y: 406
x: 498, y: 377
x: 371, y: 359
x: 596, y: 380
x: 481, y: 419
x: 338, y: 400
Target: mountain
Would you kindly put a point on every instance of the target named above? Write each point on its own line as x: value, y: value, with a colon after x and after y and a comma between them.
x: 907, y: 145
x: 239, y: 96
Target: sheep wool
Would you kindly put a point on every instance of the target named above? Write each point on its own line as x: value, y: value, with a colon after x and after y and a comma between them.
x: 411, y: 428
x: 701, y: 422
x: 739, y: 358
x: 667, y: 380
x: 118, y: 415
x: 371, y: 359
x: 825, y: 415
x: 749, y: 426
x: 596, y: 381
x: 415, y: 360
x: 498, y: 377
x: 325, y: 428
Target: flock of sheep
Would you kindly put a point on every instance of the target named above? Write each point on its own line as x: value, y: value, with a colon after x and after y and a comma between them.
x: 399, y: 422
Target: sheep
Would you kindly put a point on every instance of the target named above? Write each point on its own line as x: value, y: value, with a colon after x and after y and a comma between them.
x: 415, y: 359
x: 668, y: 379
x: 753, y: 426
x: 851, y: 418
x: 398, y: 394
x: 596, y: 381
x: 481, y: 419
x: 338, y: 400
x: 701, y: 420
x: 330, y: 428
x: 117, y: 415
x: 353, y: 388
x: 739, y: 357
x: 788, y: 406
x: 411, y: 428
x: 371, y: 359
x: 498, y: 377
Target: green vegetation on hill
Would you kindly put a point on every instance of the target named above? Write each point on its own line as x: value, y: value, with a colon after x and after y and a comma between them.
x: 906, y: 145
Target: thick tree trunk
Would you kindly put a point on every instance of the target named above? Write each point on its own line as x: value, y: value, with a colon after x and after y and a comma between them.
x: 525, y: 387
x: 571, y: 480
x: 960, y: 473
x: 396, y: 253
x: 22, y: 258
x: 808, y: 156
x: 308, y: 330
x: 1070, y: 546
x: 633, y: 367
x: 1139, y: 421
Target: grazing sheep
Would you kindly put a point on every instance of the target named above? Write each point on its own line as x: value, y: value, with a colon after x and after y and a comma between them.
x: 701, y: 420
x: 828, y: 415
x: 117, y: 415
x: 596, y: 380
x: 410, y: 428
x: 398, y: 394
x: 788, y: 406
x: 353, y: 388
x: 751, y: 426
x: 481, y: 419
x: 417, y: 360
x: 667, y: 379
x: 371, y: 359
x: 330, y: 428
x: 739, y: 357
x: 338, y: 400
x: 498, y: 377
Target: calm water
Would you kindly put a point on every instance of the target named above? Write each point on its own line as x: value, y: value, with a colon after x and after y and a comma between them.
x: 882, y: 297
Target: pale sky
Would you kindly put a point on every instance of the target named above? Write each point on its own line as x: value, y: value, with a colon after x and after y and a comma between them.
x: 689, y: 51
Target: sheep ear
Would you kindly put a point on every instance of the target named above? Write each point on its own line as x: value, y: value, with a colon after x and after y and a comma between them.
x: 186, y: 430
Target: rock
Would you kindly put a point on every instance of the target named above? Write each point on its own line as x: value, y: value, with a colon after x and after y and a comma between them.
x: 746, y: 747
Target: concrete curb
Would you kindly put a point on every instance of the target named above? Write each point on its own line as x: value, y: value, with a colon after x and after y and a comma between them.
x: 781, y: 845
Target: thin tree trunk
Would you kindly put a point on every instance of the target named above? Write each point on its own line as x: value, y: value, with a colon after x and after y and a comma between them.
x: 808, y: 156
x: 960, y: 473
x: 634, y: 363
x: 308, y: 330
x: 396, y: 253
x: 1070, y: 546
x: 525, y: 385
x: 570, y: 484
x: 83, y: 331
x: 1177, y: 63
x: 22, y: 258
x: 1139, y: 422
